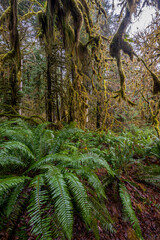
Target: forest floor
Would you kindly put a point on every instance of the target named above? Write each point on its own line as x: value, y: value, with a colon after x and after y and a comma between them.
x: 145, y: 202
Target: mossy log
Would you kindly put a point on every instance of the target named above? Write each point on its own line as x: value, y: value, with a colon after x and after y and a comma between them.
x: 32, y: 119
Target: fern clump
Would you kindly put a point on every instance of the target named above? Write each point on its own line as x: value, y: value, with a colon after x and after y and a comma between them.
x: 40, y: 179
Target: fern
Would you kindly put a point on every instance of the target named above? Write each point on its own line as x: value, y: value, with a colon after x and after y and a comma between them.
x: 128, y: 209
x: 18, y: 148
x: 101, y: 213
x: 39, y: 221
x: 54, y: 185
x: 7, y: 159
x: 93, y: 161
x: 13, y: 199
x: 62, y: 201
x: 150, y: 174
x: 92, y: 179
x: 8, y: 183
x: 80, y: 196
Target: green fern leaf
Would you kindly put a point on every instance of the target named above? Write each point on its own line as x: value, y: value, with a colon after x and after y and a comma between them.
x: 10, y: 160
x: 8, y: 183
x: 94, y: 161
x: 61, y: 198
x: 52, y: 158
x: 80, y: 196
x: 92, y: 179
x: 39, y: 221
x: 128, y: 209
x: 18, y: 147
x: 13, y: 199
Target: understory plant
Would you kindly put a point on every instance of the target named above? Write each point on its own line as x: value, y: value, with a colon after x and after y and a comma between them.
x: 126, y: 153
x: 129, y: 171
x: 41, y: 183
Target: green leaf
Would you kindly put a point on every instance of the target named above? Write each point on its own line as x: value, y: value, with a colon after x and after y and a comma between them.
x: 80, y: 196
x: 8, y: 183
x: 128, y: 209
x: 40, y: 220
x: 61, y: 198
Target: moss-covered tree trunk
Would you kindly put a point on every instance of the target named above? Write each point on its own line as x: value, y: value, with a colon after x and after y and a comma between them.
x: 13, y: 59
x: 15, y: 67
x: 49, y: 90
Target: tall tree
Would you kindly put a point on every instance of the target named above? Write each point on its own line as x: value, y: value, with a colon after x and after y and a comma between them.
x: 13, y: 56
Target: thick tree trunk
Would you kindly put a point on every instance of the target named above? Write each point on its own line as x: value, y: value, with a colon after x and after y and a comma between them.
x: 15, y: 65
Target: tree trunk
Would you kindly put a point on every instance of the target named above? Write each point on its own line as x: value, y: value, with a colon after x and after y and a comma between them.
x: 49, y: 90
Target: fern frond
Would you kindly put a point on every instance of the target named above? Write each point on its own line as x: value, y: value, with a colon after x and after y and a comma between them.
x: 17, y: 147
x: 10, y: 160
x: 62, y: 136
x: 80, y: 196
x: 61, y: 198
x: 92, y: 179
x: 46, y: 140
x: 150, y: 174
x: 13, y: 199
x: 39, y: 221
x: 128, y: 209
x: 51, y: 158
x: 8, y: 183
x: 153, y: 180
x: 102, y: 214
x: 94, y: 161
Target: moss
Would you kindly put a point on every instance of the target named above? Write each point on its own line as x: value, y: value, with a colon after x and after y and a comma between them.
x: 156, y: 81
x: 7, y: 56
x: 19, y: 77
x: 5, y: 15
x: 77, y: 18
x: 28, y: 15
x: 101, y: 8
x: 117, y: 44
x: 127, y: 49
x: 86, y: 15
x: 42, y: 22
x: 68, y: 35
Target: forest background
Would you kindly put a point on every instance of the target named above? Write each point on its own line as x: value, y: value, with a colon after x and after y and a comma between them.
x: 56, y: 63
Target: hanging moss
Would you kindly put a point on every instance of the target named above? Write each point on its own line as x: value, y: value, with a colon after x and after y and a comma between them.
x: 100, y: 7
x: 42, y: 22
x: 86, y: 15
x: 118, y: 43
x: 68, y: 35
x: 86, y: 18
x: 77, y: 18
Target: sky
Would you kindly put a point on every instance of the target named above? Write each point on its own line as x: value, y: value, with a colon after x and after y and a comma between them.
x: 144, y: 20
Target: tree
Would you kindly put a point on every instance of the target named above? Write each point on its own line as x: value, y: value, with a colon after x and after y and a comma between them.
x: 13, y: 56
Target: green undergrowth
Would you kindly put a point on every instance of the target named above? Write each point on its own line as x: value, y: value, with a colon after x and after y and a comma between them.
x: 47, y: 177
